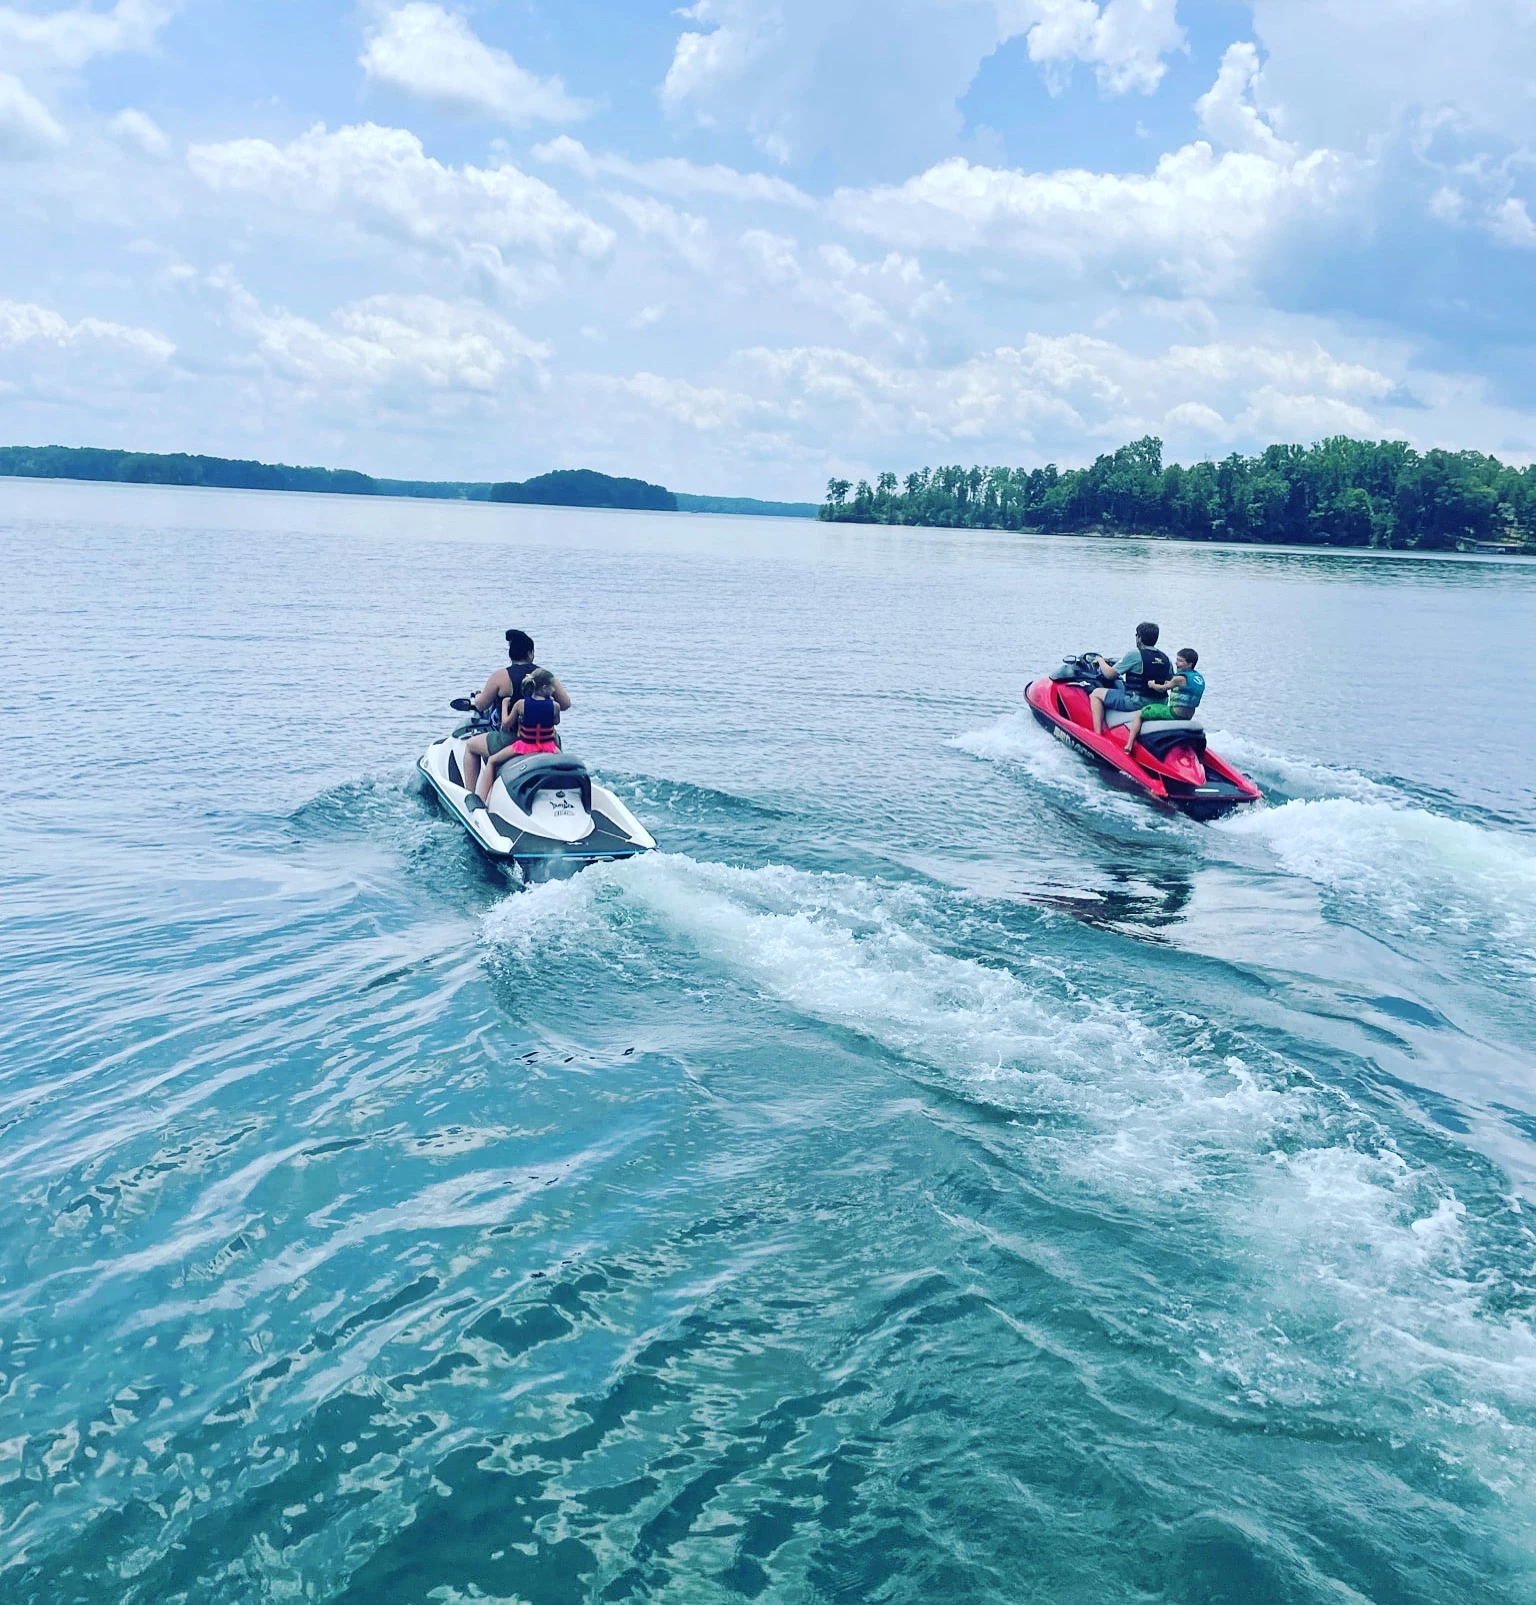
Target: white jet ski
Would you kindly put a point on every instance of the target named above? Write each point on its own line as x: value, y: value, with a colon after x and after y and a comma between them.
x: 546, y: 814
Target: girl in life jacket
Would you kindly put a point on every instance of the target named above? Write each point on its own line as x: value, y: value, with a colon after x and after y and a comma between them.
x: 500, y: 692
x: 536, y: 715
x: 527, y: 725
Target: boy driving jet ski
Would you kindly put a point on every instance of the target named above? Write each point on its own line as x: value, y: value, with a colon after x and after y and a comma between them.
x: 1129, y: 682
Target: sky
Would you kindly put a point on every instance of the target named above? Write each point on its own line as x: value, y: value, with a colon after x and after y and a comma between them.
x: 743, y: 246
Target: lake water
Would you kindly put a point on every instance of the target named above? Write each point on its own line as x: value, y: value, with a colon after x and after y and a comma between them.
x: 931, y: 1176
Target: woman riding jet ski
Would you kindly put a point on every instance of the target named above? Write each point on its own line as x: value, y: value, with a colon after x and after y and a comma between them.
x: 1169, y: 760
x: 544, y: 813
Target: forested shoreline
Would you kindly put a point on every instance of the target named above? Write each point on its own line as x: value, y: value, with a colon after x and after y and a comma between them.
x: 1339, y: 492
x: 563, y: 487
x: 105, y: 465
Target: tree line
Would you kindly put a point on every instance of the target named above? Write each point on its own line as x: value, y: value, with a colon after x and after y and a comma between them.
x: 581, y: 487
x: 223, y: 473
x: 584, y: 487
x: 1339, y: 492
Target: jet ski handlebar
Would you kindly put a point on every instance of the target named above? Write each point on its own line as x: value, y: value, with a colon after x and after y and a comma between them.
x: 1080, y: 666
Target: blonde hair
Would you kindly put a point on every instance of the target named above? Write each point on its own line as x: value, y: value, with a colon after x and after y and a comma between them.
x: 538, y: 684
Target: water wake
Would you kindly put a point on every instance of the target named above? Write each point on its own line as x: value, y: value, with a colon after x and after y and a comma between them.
x: 1016, y: 741
x: 1445, y: 886
x: 1350, y: 1255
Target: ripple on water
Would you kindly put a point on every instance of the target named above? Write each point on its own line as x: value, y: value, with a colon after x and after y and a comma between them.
x: 766, y: 1217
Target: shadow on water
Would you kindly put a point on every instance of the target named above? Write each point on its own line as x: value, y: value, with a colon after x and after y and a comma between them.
x: 1135, y: 902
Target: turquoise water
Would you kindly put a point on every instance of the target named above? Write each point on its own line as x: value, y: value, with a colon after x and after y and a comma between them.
x: 930, y: 1177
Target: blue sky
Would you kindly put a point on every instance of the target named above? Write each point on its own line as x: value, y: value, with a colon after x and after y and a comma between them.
x: 744, y: 245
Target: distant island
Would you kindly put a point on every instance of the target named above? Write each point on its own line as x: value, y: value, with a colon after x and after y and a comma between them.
x: 1339, y: 493
x: 581, y: 487
x: 565, y: 487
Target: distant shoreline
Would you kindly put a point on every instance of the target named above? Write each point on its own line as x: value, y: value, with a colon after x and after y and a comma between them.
x: 1101, y: 535
x: 560, y: 488
x: 1339, y: 494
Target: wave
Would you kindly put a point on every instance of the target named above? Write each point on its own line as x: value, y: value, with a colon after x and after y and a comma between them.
x: 1297, y: 777
x: 1015, y: 740
x: 1392, y: 866
x: 1409, y: 874
x: 1164, y: 1116
x: 688, y: 802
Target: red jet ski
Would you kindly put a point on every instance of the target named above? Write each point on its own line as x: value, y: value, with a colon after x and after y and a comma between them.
x: 1170, y: 762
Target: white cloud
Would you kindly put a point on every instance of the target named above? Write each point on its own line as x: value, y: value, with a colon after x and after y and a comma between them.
x: 1124, y: 40
x: 1194, y: 420
x: 1066, y: 397
x: 684, y: 234
x: 1345, y: 72
x: 1447, y: 205
x: 1227, y: 111
x: 1511, y: 224
x: 383, y: 182
x: 27, y: 127
x: 399, y: 342
x: 54, y: 373
x: 741, y: 33
x: 708, y: 409
x: 886, y: 74
x: 672, y: 175
x: 800, y: 76
x: 69, y: 39
x: 25, y: 324
x: 1273, y: 414
x: 779, y: 331
x: 141, y: 132
x: 888, y: 296
x: 434, y: 55
x: 1197, y: 223
x: 52, y: 42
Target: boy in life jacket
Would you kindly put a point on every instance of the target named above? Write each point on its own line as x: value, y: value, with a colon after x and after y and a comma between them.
x: 527, y: 725
x: 1181, y: 695
x: 1130, y: 680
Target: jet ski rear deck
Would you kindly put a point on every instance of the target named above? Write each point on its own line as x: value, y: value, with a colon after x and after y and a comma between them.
x: 546, y: 815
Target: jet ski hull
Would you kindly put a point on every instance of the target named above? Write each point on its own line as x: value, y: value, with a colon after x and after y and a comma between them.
x: 1170, y: 765
x: 546, y: 817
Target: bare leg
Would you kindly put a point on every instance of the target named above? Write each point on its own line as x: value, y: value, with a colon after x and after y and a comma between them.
x: 1096, y: 708
x: 474, y: 751
x: 488, y: 774
x: 1133, y: 730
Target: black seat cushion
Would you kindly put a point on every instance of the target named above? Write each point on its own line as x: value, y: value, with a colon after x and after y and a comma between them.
x: 525, y: 778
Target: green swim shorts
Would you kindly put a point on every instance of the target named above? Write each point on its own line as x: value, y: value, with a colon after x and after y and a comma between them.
x: 499, y: 740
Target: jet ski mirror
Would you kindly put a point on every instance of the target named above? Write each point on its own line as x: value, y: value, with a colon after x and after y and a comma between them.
x: 462, y: 705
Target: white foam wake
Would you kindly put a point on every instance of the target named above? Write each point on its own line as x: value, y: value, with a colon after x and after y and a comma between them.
x: 1016, y: 739
x: 1297, y: 777
x: 1141, y: 1108
x: 1411, y: 873
x: 1155, y: 1110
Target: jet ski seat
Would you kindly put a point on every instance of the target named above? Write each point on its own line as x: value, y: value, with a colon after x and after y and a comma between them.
x: 1161, y: 736
x: 1117, y: 721
x: 524, y: 778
